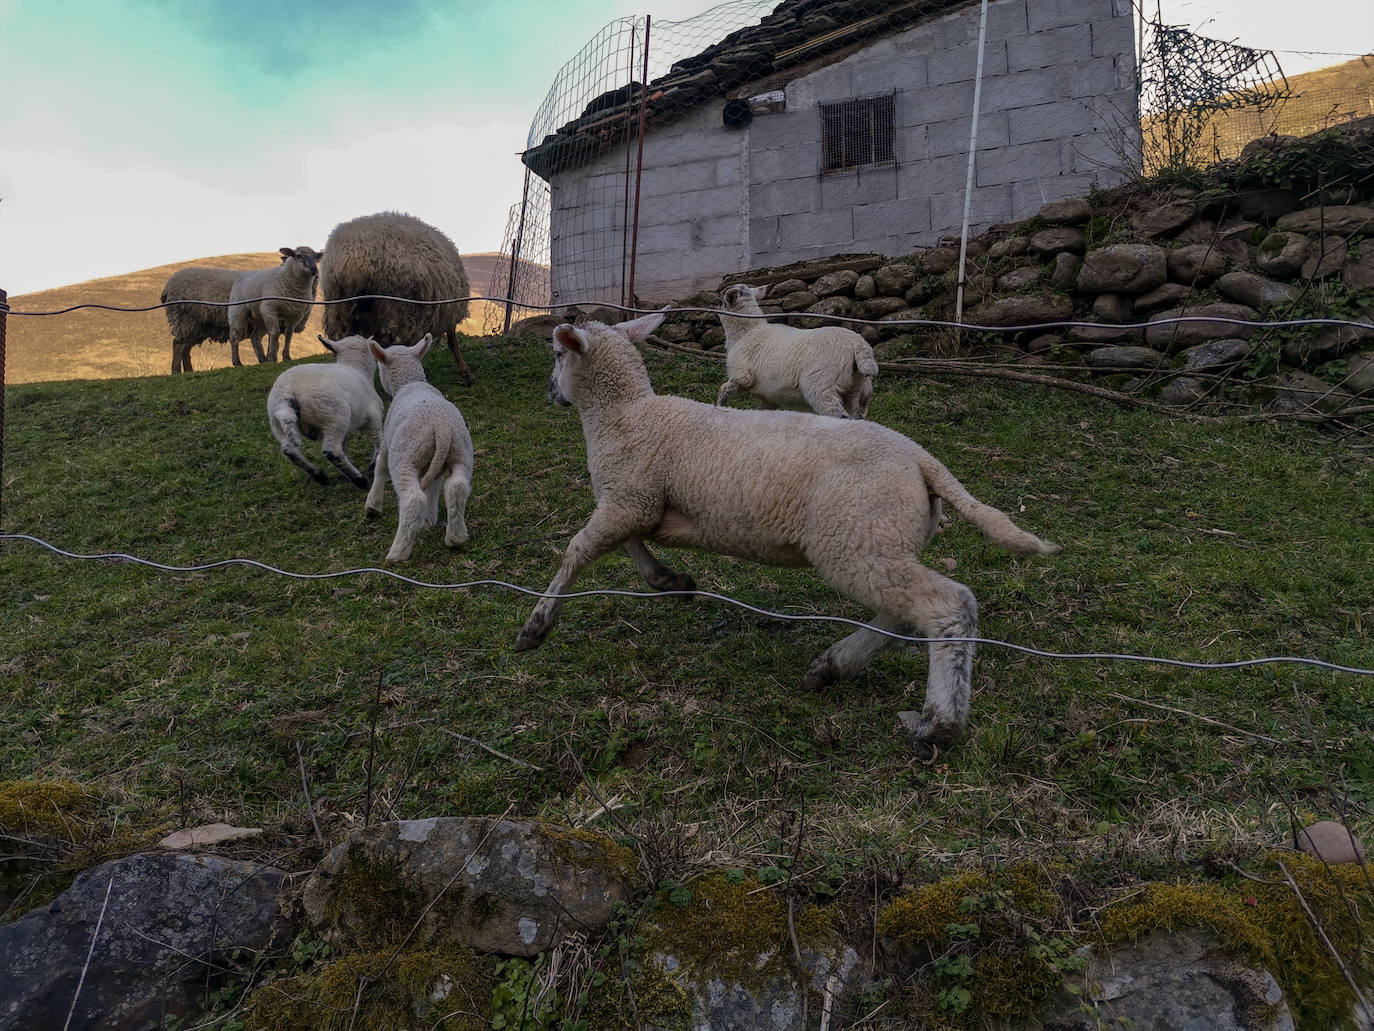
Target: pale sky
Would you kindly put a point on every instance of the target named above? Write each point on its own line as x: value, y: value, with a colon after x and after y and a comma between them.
x: 136, y: 133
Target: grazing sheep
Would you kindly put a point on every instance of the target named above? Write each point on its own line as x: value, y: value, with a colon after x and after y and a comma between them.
x: 192, y: 323
x: 853, y: 500
x: 425, y: 446
x: 830, y: 369
x: 329, y: 401
x: 261, y: 305
x: 398, y: 255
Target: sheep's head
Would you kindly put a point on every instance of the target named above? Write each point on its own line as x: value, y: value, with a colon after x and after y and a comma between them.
x: 593, y: 360
x: 398, y: 365
x: 308, y: 257
x: 740, y: 297
x: 354, y: 351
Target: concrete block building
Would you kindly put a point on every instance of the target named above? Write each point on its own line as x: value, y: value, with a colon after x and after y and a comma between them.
x: 838, y: 126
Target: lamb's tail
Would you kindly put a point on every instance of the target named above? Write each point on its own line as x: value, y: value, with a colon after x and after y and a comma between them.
x: 443, y: 444
x: 995, y: 524
x: 863, y: 357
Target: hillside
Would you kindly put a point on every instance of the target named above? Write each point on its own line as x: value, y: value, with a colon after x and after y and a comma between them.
x: 99, y: 344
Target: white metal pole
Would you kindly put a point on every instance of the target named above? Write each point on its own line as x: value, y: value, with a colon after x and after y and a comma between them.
x: 972, y: 149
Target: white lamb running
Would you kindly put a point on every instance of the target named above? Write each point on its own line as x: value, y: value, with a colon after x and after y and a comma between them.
x: 854, y: 500
x: 425, y: 446
x: 829, y: 369
x: 330, y: 400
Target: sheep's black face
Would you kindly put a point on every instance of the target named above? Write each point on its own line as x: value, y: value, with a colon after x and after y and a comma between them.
x: 306, y: 257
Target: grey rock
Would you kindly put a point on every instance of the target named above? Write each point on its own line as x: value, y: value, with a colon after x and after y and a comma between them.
x: 154, y: 925
x: 788, y: 286
x: 1359, y: 373
x: 922, y: 291
x: 675, y: 333
x: 1298, y: 391
x: 1065, y: 271
x: 1331, y: 842
x: 1336, y: 218
x: 1052, y: 241
x: 1012, y: 246
x: 712, y: 338
x: 1182, y: 391
x: 1358, y: 273
x: 1196, y: 264
x: 869, y: 333
x: 1168, y: 295
x: 894, y: 280
x: 835, y: 305
x: 1194, y: 327
x: 1166, y: 219
x: 511, y: 886
x: 1018, y: 278
x: 1125, y: 358
x: 1250, y: 288
x: 1326, y: 258
x: 798, y: 300
x: 1266, y: 205
x: 878, y: 307
x: 865, y: 288
x: 1217, y: 354
x: 1028, y: 309
x: 840, y: 281
x: 1132, y: 268
x: 1072, y: 212
x: 1102, y: 334
x: 1181, y: 980
x: 1044, y: 342
x: 1282, y: 254
x: 1327, y: 343
x: 1112, y: 308
x: 938, y: 260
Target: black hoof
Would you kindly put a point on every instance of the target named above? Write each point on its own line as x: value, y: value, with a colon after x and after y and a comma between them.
x: 528, y: 640
x: 821, y: 675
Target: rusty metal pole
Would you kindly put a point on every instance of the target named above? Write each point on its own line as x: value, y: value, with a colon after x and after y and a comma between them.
x: 515, y: 254
x: 4, y: 311
x: 625, y: 202
x: 639, y: 168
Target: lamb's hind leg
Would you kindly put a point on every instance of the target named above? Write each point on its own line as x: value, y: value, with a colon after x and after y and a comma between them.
x: 412, y: 503
x: 826, y: 402
x: 655, y: 573
x: 334, y: 451
x: 913, y: 595
x: 456, y: 490
x: 607, y: 529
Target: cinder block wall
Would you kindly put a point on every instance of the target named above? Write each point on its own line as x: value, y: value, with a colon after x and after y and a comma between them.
x: 1058, y: 117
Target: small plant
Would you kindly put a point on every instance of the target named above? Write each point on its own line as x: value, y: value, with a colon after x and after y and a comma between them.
x: 521, y: 1001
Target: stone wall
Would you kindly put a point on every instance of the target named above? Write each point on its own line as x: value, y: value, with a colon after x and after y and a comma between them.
x: 1113, y: 261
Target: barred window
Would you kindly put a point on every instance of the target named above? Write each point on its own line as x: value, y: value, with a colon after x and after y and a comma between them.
x: 857, y: 132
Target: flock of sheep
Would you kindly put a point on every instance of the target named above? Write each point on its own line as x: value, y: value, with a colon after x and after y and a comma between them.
x: 850, y: 498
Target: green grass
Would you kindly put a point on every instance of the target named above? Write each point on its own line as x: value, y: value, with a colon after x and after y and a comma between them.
x: 186, y: 695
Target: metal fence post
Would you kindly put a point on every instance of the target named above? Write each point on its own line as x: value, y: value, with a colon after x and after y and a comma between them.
x: 515, y: 254
x: 639, y: 169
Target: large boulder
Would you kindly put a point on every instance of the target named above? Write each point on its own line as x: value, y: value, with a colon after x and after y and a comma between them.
x: 1023, y: 310
x: 1130, y: 268
x: 511, y: 886
x: 1332, y: 218
x: 133, y: 941
x: 1178, y: 328
x: 1252, y: 289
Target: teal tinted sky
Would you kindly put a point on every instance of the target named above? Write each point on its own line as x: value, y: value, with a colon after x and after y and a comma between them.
x: 134, y: 133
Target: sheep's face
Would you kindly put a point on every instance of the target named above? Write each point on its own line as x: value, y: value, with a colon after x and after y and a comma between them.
x: 573, y: 348
x: 308, y: 258
x: 742, y: 298
x: 567, y: 341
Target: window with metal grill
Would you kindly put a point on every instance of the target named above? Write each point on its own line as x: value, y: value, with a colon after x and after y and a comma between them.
x: 857, y: 132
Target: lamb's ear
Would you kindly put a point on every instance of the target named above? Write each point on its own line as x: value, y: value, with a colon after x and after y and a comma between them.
x: 287, y: 252
x: 569, y: 336
x: 422, y: 347
x: 328, y: 344
x: 378, y: 351
x: 636, y: 331
x: 730, y: 297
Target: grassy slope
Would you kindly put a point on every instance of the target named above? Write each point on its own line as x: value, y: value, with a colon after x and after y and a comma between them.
x: 190, y: 692
x: 97, y: 344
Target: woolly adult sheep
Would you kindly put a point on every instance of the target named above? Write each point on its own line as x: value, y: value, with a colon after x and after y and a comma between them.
x: 853, y: 500
x: 425, y: 447
x: 829, y: 369
x: 331, y: 401
x: 275, y: 302
x: 190, y: 324
x: 397, y: 255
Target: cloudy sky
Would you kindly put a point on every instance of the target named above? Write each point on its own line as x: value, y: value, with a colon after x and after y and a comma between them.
x: 135, y: 133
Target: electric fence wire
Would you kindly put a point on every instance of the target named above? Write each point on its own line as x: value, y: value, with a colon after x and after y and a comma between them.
x: 723, y: 598
x: 930, y: 323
